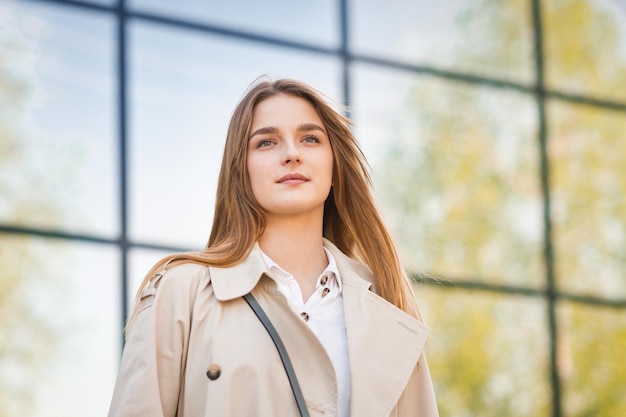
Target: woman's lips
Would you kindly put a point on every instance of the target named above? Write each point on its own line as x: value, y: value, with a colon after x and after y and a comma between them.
x: 292, y: 179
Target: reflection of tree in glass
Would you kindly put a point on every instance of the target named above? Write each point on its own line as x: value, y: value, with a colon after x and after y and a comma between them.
x: 27, y: 335
x: 464, y: 186
x: 585, y: 47
x: 593, y: 366
x: 469, y: 213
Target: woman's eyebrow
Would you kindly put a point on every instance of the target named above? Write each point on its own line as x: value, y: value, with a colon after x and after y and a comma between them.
x: 264, y: 131
x: 305, y: 127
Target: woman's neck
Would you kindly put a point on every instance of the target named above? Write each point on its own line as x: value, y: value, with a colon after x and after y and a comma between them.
x: 296, y: 245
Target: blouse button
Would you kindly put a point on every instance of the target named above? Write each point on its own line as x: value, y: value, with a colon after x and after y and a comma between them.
x: 324, y: 279
x: 325, y: 291
x: 214, y: 372
x: 305, y: 315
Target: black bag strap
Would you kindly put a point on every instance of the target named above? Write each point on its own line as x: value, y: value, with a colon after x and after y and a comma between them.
x: 282, y: 351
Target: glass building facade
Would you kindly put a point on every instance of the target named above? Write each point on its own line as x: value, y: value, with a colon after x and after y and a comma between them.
x: 496, y: 134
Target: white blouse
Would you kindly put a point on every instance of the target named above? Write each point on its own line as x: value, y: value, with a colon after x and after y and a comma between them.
x: 323, y: 312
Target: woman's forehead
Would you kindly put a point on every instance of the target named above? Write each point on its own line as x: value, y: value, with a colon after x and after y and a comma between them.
x: 284, y: 111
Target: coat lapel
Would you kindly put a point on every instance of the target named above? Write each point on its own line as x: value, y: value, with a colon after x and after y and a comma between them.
x: 384, y: 343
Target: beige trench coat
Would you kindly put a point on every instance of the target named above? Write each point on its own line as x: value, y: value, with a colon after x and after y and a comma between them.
x: 193, y: 318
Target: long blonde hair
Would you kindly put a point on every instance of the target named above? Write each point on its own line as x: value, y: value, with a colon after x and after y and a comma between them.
x: 351, y: 220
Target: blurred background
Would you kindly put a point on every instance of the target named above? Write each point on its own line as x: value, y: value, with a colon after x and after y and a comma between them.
x: 495, y: 130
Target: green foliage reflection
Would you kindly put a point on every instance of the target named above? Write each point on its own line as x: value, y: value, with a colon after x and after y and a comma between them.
x: 462, y: 182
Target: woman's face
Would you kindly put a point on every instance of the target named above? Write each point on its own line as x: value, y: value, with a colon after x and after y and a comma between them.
x: 290, y: 160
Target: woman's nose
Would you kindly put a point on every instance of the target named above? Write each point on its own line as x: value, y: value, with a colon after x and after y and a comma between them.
x: 291, y: 154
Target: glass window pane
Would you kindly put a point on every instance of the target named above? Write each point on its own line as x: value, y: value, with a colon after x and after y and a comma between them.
x: 488, y: 354
x: 488, y: 38
x: 184, y: 89
x: 455, y: 173
x: 592, y: 366
x: 58, y: 164
x: 592, y: 58
x: 586, y: 150
x: 300, y: 21
x: 60, y: 332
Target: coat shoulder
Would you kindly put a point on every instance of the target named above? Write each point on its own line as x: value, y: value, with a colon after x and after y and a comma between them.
x: 185, y: 278
x: 187, y: 273
x: 175, y: 284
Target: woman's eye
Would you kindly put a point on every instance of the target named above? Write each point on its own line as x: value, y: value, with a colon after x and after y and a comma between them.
x: 311, y: 139
x: 264, y: 143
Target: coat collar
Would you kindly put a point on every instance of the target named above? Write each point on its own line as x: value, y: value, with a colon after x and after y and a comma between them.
x: 384, y: 343
x: 237, y: 281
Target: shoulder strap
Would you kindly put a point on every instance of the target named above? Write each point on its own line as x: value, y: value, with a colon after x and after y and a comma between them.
x: 284, y: 357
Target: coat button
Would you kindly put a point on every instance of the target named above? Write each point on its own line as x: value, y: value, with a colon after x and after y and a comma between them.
x: 214, y: 372
x: 305, y: 315
x: 325, y: 291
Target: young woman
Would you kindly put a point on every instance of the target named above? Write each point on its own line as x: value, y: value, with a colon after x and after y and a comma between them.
x: 296, y: 226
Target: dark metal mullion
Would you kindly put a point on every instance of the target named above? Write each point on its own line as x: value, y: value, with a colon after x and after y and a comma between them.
x: 586, y: 100
x: 123, y: 241
x: 55, y: 234
x: 86, y: 238
x: 551, y: 290
x: 475, y: 284
x: 236, y: 34
x: 79, y: 4
x: 345, y: 56
x: 468, y: 78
